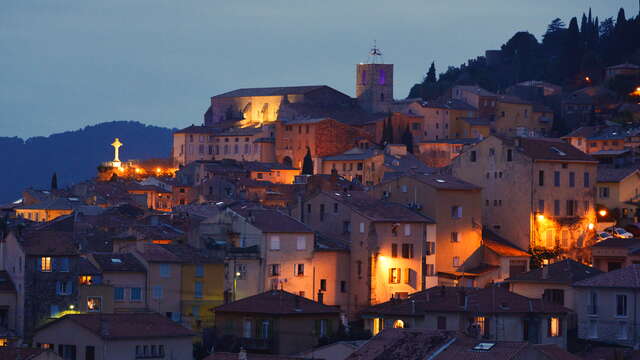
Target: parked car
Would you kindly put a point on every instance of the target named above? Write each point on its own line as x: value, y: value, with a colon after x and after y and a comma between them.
x: 603, y: 235
x: 634, y: 229
x: 619, y: 232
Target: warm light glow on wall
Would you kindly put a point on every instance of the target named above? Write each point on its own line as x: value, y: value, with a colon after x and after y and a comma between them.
x: 540, y: 217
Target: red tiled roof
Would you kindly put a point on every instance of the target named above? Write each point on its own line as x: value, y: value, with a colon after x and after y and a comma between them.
x: 8, y: 353
x: 627, y: 277
x: 565, y: 272
x: 439, y: 181
x: 235, y: 356
x: 406, y: 344
x: 53, y: 243
x: 448, y: 299
x: 549, y: 149
x: 377, y: 210
x: 119, y: 262
x: 156, y: 253
x: 127, y: 326
x: 554, y: 352
x: 277, y: 302
x: 270, y: 220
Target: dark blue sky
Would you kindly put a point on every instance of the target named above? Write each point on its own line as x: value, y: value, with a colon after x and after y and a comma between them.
x: 65, y: 64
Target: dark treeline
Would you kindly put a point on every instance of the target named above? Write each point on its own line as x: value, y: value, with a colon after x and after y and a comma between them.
x: 572, y: 56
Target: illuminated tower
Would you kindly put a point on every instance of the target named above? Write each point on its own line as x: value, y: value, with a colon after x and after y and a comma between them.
x: 374, y: 83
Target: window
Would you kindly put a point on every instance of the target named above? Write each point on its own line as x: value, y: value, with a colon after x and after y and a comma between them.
x: 198, y: 289
x: 323, y: 284
x: 136, y: 294
x: 541, y: 206
x: 298, y: 269
x: 554, y: 327
x: 623, y: 330
x: 556, y: 207
x: 593, y: 329
x: 246, y: 328
x: 509, y: 155
x: 430, y: 248
x: 156, y: 292
x: 359, y: 267
x: 556, y: 178
x: 587, y: 180
x: 407, y: 276
x: 275, y: 242
x: 430, y: 270
x: 442, y: 323
x: 479, y: 321
x: 241, y: 271
x: 572, y: 179
x: 398, y: 324
x: 394, y: 275
x: 394, y: 230
x: 362, y: 227
x: 274, y: 270
x: 62, y: 264
x: 541, y: 177
x: 321, y: 212
x: 454, y: 237
x: 64, y: 287
x: 343, y: 286
x: 404, y: 188
x: 407, y: 251
x: 603, y: 192
x: 90, y: 352
x: 165, y: 270
x: 394, y: 250
x: 199, y: 270
x: 67, y: 352
x: 301, y: 243
x: 456, y: 212
x: 407, y: 229
x: 346, y: 227
x: 621, y: 305
x: 473, y: 156
x: 45, y: 264
x: 555, y: 296
x: 94, y: 304
x: 592, y: 305
x: 571, y: 207
x: 118, y: 294
x: 86, y: 280
x: 456, y: 261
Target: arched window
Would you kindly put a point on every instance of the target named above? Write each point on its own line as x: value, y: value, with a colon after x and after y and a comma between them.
x: 287, y: 161
x: 398, y: 324
x: 381, y: 77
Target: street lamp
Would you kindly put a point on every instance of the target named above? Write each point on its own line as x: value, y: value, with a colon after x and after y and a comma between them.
x: 602, y: 212
x: 235, y: 284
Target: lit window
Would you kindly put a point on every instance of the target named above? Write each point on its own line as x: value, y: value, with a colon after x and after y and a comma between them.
x: 479, y: 321
x: 94, y: 304
x: 45, y: 264
x: 4, y: 342
x: 554, y: 327
x: 407, y: 229
x: 398, y: 324
x: 86, y: 280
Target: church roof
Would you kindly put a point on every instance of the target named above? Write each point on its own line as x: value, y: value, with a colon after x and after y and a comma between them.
x: 270, y: 91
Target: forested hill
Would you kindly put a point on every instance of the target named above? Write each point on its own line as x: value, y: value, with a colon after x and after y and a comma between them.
x: 572, y: 56
x: 74, y: 155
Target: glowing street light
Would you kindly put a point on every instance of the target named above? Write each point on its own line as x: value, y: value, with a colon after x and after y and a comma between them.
x: 540, y: 217
x: 591, y: 226
x: 602, y: 212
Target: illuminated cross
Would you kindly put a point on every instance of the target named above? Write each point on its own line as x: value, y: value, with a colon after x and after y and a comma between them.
x: 116, y: 145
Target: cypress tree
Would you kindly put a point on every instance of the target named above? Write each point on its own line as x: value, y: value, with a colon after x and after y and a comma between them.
x: 307, y: 163
x: 431, y: 74
x: 54, y: 181
x: 407, y: 139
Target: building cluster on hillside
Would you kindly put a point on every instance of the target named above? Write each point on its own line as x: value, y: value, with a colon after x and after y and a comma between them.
x: 297, y: 222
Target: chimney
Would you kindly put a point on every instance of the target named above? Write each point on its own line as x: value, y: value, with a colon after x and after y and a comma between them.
x: 545, y: 272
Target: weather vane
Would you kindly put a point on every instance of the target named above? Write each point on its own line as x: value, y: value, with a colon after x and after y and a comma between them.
x: 375, y: 53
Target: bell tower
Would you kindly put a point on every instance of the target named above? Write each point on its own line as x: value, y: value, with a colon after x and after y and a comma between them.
x: 374, y: 83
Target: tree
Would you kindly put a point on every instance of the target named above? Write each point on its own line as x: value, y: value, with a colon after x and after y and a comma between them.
x: 621, y: 20
x: 407, y: 139
x: 307, y: 163
x: 606, y: 28
x: 54, y: 181
x: 556, y: 25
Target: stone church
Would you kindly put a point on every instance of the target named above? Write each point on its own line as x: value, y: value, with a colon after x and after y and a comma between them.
x: 247, y: 124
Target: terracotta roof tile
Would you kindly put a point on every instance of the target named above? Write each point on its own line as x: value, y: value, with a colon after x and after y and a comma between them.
x: 52, y: 243
x: 627, y: 277
x: 548, y: 149
x: 377, y: 210
x: 500, y: 245
x: 406, y: 344
x: 566, y: 272
x: 234, y: 356
x: 270, y: 220
x: 277, y: 302
x: 119, y: 262
x: 610, y: 174
x: 127, y: 326
x: 7, y: 353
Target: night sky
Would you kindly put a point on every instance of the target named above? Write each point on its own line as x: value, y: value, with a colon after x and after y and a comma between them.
x: 65, y: 64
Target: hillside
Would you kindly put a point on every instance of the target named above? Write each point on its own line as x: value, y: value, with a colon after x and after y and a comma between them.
x: 74, y: 155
